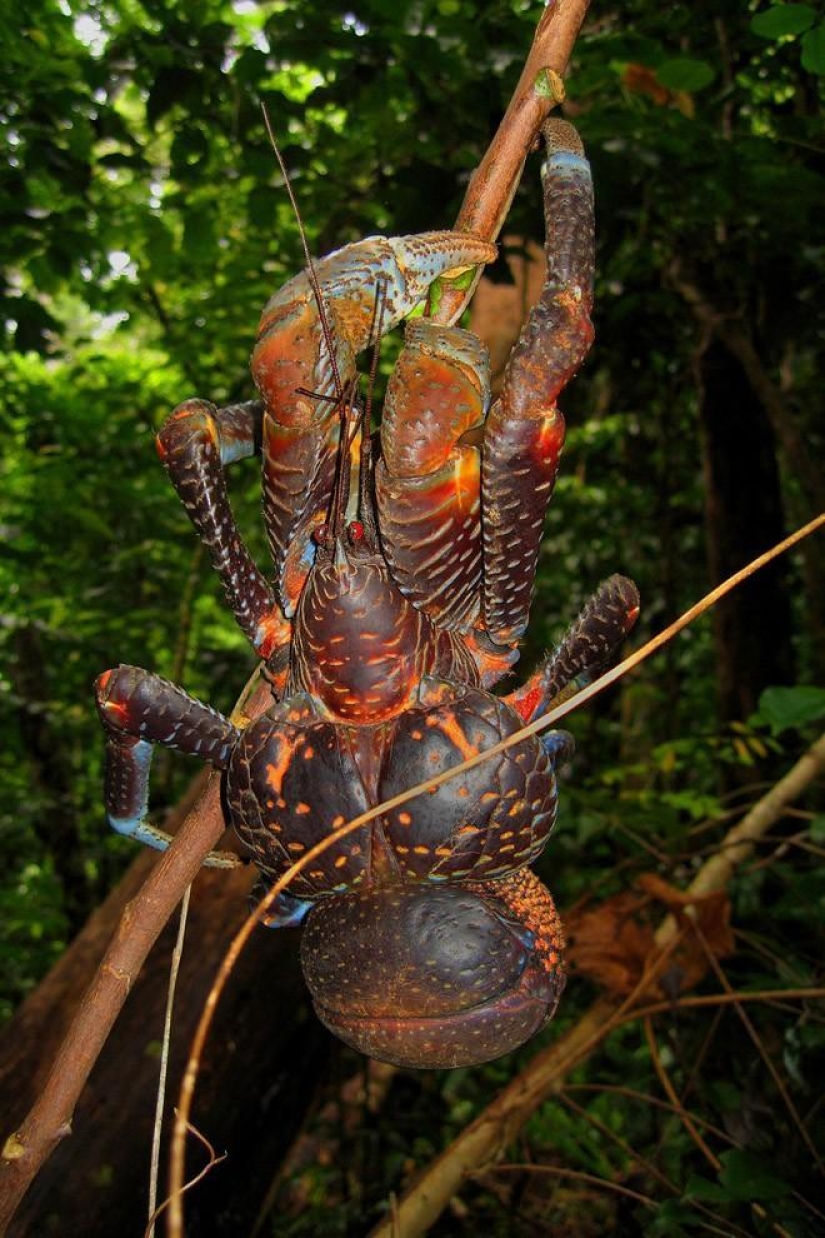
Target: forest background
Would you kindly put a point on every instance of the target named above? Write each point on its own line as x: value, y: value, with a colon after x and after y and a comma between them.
x: 144, y: 225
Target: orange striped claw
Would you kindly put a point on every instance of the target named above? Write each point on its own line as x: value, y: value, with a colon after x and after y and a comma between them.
x: 401, y: 575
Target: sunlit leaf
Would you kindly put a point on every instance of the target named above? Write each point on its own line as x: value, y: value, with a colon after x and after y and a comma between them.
x: 783, y: 19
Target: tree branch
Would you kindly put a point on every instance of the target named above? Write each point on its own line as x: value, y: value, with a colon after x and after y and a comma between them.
x: 496, y: 178
x: 499, y: 1123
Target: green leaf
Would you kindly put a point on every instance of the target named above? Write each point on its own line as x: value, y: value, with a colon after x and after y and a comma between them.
x: 671, y: 1217
x: 742, y: 1178
x: 747, y: 1177
x: 813, y: 50
x: 685, y: 73
x: 817, y: 830
x: 700, y: 1188
x: 786, y: 708
x: 783, y: 19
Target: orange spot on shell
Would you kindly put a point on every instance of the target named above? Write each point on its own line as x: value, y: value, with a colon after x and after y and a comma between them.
x: 276, y: 770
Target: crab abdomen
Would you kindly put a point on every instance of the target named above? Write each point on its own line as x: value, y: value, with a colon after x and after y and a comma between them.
x: 296, y: 778
x: 489, y: 820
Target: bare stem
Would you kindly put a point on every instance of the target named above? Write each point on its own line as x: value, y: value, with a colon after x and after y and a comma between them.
x: 496, y: 178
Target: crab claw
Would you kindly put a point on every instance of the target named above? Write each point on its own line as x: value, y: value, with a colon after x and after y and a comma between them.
x: 304, y: 363
x: 403, y: 267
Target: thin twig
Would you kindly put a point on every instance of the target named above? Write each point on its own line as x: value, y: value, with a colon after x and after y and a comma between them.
x: 174, y: 969
x: 673, y: 1096
x: 644, y: 1098
x: 560, y: 1171
x: 760, y: 1048
x: 214, y: 1159
x: 637, y: 1158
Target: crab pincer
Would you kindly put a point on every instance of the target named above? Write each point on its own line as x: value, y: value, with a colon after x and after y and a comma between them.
x: 304, y: 367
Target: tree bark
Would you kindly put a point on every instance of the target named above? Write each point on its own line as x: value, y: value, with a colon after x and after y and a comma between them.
x: 743, y: 516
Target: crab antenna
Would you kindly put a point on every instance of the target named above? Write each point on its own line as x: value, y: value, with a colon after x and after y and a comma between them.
x: 313, y: 274
x: 340, y: 395
x: 340, y: 491
x: 365, y: 462
x: 376, y: 331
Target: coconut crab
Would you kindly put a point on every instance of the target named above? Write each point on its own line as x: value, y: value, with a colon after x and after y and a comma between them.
x: 404, y: 568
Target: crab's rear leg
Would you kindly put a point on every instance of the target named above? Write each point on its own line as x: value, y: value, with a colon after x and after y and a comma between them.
x: 138, y: 710
x: 195, y: 445
x: 524, y: 433
x: 586, y: 650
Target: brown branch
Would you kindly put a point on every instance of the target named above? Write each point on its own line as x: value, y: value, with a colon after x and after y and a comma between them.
x: 496, y: 178
x: 50, y: 1118
x: 497, y: 1126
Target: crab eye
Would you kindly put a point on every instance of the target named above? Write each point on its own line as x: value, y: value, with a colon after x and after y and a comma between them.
x: 355, y: 531
x: 321, y: 535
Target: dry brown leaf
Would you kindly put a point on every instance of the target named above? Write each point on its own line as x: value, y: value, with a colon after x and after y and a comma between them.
x: 613, y: 944
x: 610, y: 944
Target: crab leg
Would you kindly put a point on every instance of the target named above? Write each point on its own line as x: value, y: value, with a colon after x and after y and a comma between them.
x: 585, y: 651
x: 304, y: 367
x: 428, y: 481
x: 195, y: 445
x: 138, y: 710
x: 524, y: 433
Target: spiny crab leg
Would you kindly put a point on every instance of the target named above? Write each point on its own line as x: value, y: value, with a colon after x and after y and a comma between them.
x: 587, y: 648
x: 524, y: 434
x: 196, y: 444
x: 138, y: 710
x: 304, y: 360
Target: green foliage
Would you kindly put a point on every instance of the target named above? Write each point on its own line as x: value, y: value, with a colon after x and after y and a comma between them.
x: 144, y: 227
x: 783, y: 19
x: 785, y: 709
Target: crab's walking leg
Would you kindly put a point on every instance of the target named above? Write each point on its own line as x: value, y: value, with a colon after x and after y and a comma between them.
x: 304, y: 366
x: 138, y: 710
x: 585, y: 651
x: 195, y: 445
x: 524, y: 433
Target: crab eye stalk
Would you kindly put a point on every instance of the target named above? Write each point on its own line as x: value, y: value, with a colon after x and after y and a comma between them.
x: 433, y: 977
